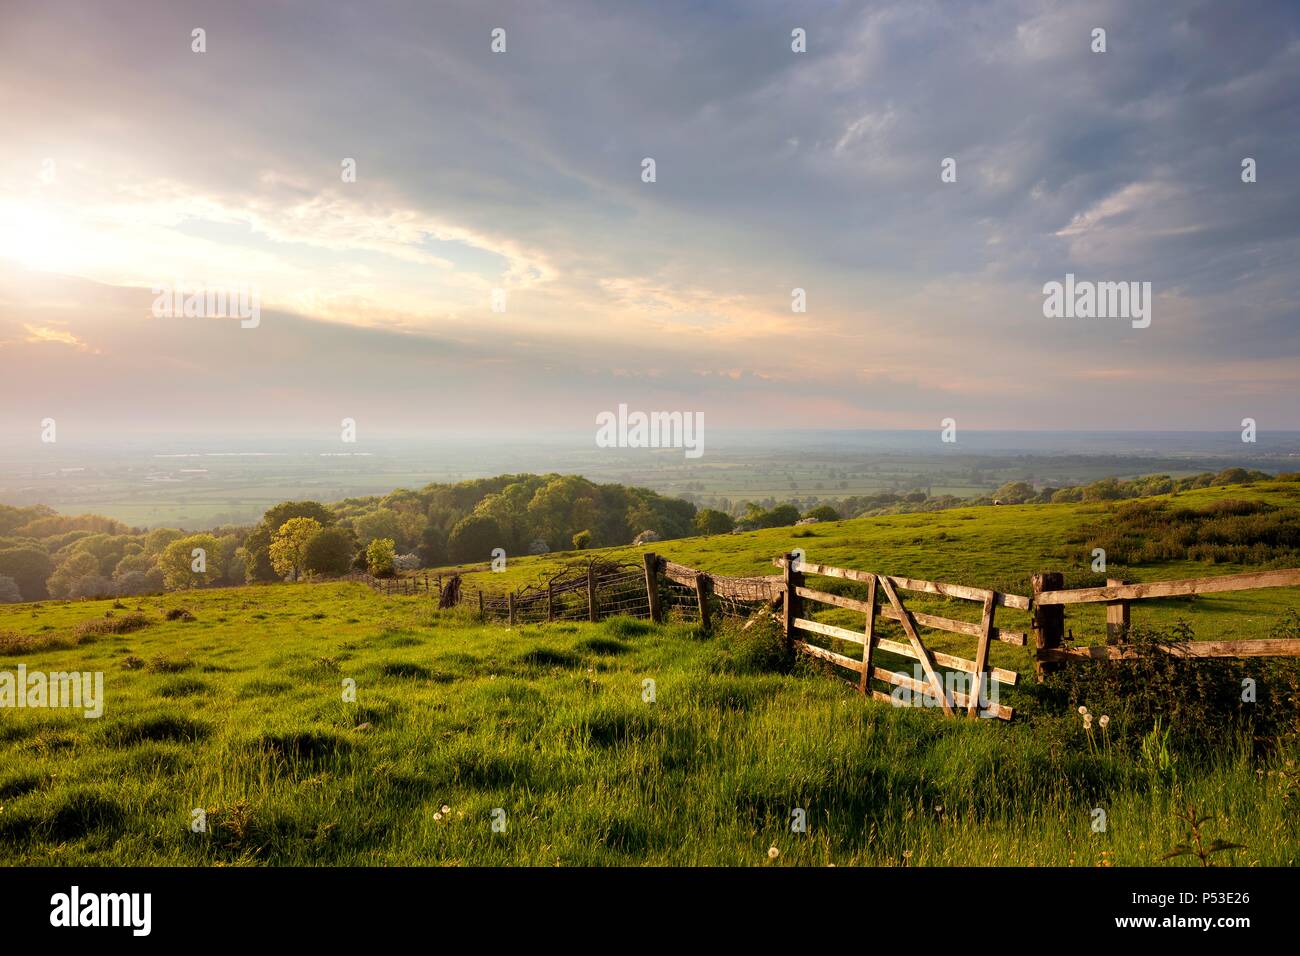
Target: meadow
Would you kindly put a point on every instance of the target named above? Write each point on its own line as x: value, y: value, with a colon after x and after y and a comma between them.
x: 230, y: 701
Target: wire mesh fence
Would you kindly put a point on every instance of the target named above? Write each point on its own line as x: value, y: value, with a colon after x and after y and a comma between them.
x: 599, y: 589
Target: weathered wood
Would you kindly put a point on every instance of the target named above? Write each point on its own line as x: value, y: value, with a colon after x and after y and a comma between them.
x: 957, y: 627
x: 870, y: 637
x: 1178, y: 588
x: 510, y: 609
x: 919, y: 687
x: 1268, y: 647
x: 999, y: 674
x: 838, y: 600
x: 1117, y: 617
x: 1049, y: 621
x: 922, y: 654
x: 480, y: 602
x: 550, y: 602
x: 830, y: 630
x: 593, y: 612
x: 831, y: 656
x: 914, y: 584
x: 793, y: 605
x: 652, y: 584
x: 927, y: 620
x: 981, y: 655
x: 702, y: 596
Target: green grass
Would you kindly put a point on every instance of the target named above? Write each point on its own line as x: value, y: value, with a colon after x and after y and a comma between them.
x: 240, y: 712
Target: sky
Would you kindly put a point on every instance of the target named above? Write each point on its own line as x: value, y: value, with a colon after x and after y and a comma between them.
x: 132, y: 162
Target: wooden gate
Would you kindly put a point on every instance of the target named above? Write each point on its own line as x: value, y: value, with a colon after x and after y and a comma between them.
x: 980, y: 675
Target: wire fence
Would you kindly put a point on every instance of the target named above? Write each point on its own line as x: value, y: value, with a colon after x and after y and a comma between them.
x: 596, y: 589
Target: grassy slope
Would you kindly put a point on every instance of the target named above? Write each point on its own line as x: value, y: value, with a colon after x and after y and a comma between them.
x: 998, y: 547
x: 240, y: 713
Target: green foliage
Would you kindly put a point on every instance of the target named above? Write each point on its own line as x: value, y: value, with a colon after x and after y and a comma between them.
x: 29, y: 567
x: 380, y: 556
x: 177, y: 562
x: 712, y: 521
x: 1226, y: 530
x: 1165, y: 703
x: 473, y: 538
x: 822, y: 513
x: 77, y: 566
x: 288, y: 551
x: 329, y: 551
x: 581, y: 540
x: 1015, y: 492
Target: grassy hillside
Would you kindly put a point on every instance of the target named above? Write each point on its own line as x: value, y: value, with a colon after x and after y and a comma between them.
x: 240, y: 712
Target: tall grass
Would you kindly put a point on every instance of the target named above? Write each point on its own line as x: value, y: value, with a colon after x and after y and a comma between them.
x: 550, y: 724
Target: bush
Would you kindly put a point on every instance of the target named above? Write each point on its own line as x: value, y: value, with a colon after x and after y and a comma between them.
x: 756, y: 650
x: 1198, y: 700
x: 381, y: 554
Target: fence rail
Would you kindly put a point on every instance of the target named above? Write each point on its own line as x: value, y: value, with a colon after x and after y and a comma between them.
x: 658, y: 588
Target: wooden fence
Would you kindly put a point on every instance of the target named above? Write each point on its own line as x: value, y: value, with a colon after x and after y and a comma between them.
x: 977, y: 697
x: 658, y: 588
x: 1050, y: 601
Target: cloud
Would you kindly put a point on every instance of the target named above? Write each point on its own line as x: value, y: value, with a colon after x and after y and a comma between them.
x: 775, y: 170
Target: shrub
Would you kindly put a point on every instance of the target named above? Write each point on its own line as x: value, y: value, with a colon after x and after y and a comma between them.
x: 380, y: 557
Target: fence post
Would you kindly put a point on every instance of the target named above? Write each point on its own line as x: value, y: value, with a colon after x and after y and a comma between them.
x: 550, y: 602
x: 510, y: 608
x: 793, y: 579
x: 703, y: 585
x: 592, y: 612
x: 480, y: 603
x: 1116, y: 616
x: 1049, y: 622
x: 864, y: 684
x: 651, y: 563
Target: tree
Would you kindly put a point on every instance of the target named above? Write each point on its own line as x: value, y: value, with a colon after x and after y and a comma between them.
x: 329, y: 551
x: 29, y: 566
x: 1014, y: 492
x: 377, y: 524
x: 80, y: 565
x: 380, y: 557
x: 256, y: 550
x: 91, y: 586
x: 581, y: 540
x: 823, y: 513
x: 289, y: 546
x: 182, y: 568
x: 473, y: 538
x: 711, y: 521
x: 433, y: 546
x: 9, y: 593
